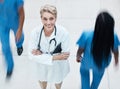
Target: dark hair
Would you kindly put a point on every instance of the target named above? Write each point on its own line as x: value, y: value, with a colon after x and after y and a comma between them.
x: 103, y: 38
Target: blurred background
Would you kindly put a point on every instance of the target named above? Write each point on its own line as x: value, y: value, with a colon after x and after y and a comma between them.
x: 75, y: 16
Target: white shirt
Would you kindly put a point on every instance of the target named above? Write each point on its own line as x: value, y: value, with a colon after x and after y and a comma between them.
x: 49, y: 70
x: 61, y: 36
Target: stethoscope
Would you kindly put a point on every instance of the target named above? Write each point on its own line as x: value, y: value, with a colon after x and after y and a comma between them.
x: 53, y: 39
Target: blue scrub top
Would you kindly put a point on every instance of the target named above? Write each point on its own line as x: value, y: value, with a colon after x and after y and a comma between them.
x: 9, y: 12
x: 85, y: 41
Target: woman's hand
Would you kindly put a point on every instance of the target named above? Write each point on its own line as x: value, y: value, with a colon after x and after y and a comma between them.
x: 116, y: 56
x: 78, y: 59
x: 61, y: 56
x: 36, y: 52
x: 79, y: 53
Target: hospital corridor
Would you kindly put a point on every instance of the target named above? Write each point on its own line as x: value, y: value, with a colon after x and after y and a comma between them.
x: 76, y: 16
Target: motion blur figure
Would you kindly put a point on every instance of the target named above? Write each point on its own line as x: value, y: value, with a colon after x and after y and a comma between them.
x: 11, y: 18
x: 96, y: 47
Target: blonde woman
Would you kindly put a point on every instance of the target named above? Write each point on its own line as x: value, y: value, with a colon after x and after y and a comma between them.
x: 49, y: 46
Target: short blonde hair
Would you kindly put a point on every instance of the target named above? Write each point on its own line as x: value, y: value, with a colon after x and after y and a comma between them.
x: 48, y: 8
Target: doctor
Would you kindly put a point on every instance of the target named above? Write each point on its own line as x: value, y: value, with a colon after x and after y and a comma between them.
x: 49, y: 47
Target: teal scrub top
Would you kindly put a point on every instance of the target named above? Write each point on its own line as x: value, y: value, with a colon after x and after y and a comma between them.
x: 85, y: 41
x: 9, y: 12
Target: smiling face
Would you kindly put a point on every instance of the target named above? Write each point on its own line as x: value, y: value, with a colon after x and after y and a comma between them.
x: 48, y: 20
x: 48, y: 16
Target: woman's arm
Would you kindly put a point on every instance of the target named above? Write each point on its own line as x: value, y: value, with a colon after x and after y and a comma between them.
x: 61, y: 56
x: 21, y: 22
x: 116, y: 56
x: 65, y: 45
x: 79, y: 53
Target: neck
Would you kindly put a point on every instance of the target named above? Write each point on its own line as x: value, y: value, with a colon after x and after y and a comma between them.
x: 48, y: 33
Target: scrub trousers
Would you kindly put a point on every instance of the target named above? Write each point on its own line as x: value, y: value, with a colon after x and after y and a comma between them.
x: 5, y: 42
x: 85, y: 78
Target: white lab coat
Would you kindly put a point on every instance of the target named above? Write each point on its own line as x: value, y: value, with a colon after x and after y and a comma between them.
x: 49, y: 70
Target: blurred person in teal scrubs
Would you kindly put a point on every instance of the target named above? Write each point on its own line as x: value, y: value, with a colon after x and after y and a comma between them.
x: 11, y: 18
x: 95, y: 50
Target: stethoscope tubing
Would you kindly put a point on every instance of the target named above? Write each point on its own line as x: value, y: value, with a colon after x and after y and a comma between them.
x: 39, y: 47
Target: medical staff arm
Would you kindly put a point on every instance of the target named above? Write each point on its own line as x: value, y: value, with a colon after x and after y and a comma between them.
x: 116, y: 56
x: 79, y: 53
x: 43, y: 58
x: 65, y: 41
x: 21, y: 22
x: 116, y: 50
x: 61, y: 56
x: 81, y: 46
x: 32, y: 50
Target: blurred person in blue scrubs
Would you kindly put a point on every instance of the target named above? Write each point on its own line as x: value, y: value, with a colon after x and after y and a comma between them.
x: 95, y: 49
x: 11, y: 18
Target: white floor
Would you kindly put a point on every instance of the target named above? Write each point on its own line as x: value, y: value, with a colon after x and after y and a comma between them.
x: 76, y: 16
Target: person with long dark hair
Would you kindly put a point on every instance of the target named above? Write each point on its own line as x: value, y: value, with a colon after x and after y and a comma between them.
x: 95, y: 50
